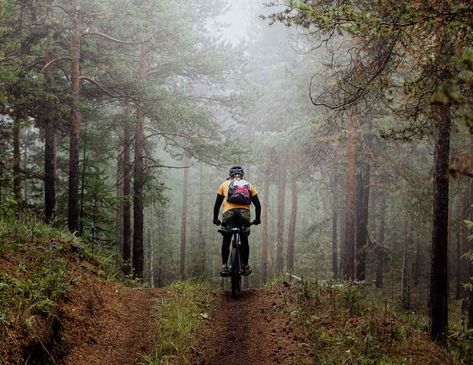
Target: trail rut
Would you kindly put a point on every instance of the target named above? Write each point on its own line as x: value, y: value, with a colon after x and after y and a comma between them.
x: 256, y: 328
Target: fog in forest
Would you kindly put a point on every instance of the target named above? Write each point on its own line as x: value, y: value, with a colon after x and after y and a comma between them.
x: 120, y: 120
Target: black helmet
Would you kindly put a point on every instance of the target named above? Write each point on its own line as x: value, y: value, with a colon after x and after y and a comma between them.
x: 236, y: 170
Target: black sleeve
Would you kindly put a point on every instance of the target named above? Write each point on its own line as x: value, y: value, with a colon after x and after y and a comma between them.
x: 218, y: 203
x: 256, y: 203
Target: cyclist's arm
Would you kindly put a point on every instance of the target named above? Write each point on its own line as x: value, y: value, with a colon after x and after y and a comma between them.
x: 218, y: 203
x: 257, y: 204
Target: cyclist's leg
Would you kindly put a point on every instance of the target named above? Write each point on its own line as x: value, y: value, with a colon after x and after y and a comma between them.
x: 226, y: 248
x: 244, y: 249
x: 227, y: 238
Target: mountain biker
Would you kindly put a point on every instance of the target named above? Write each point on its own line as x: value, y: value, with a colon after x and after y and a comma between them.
x: 236, y: 212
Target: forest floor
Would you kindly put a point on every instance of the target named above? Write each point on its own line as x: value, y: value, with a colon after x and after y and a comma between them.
x: 58, y: 306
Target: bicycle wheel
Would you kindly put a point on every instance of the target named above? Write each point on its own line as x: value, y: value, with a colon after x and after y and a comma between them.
x: 236, y: 276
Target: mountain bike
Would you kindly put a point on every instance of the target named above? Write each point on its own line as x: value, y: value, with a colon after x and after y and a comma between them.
x: 234, y: 259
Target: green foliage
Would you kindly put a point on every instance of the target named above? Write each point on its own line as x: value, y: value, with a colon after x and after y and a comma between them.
x: 178, y: 317
x: 348, y: 327
x: 36, y: 277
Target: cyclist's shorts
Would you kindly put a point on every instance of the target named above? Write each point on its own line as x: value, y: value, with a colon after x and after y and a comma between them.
x: 236, y: 217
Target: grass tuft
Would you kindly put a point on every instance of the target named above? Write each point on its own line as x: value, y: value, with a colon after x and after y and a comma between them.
x: 178, y: 317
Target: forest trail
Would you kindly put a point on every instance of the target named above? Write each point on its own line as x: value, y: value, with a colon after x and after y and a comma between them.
x: 256, y: 328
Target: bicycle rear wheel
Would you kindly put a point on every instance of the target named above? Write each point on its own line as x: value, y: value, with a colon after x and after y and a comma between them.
x: 236, y: 276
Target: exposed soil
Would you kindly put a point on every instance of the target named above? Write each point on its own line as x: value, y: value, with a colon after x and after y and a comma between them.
x: 98, y: 322
x: 256, y: 328
x: 116, y: 327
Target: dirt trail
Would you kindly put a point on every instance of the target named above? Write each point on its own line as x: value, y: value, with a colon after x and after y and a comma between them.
x: 257, y: 328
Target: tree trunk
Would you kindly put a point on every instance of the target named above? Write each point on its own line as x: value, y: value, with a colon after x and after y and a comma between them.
x: 458, y: 250
x: 139, y: 179
x: 439, y: 270
x: 82, y: 185
x: 265, y: 223
x: 49, y: 135
x: 201, y: 270
x: 334, y: 192
x: 380, y: 239
x: 405, y: 290
x: 362, y: 221
x: 17, y: 178
x: 185, y: 187
x: 348, y: 249
x: 292, y: 225
x: 126, y: 248
x: 73, y: 198
x: 120, y: 179
x: 138, y: 204
x: 281, y: 211
x: 49, y: 170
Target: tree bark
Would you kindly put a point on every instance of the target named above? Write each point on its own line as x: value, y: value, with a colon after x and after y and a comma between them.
x: 49, y: 135
x: 281, y: 211
x: 17, y: 178
x: 185, y: 191
x: 458, y: 248
x: 363, y: 192
x: 126, y: 247
x: 439, y: 269
x: 405, y: 257
x: 201, y: 270
x: 73, y: 197
x: 265, y: 223
x: 292, y: 225
x: 380, y: 239
x: 82, y: 185
x: 347, y: 269
x: 138, y: 204
x: 49, y: 165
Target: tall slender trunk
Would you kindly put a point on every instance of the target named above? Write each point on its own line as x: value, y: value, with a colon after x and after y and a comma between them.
x: 265, y: 223
x: 281, y: 211
x: 348, y: 253
x: 458, y: 248
x: 126, y: 247
x: 362, y: 220
x: 17, y: 178
x: 138, y: 204
x: 200, y: 230
x: 417, y: 264
x: 333, y: 186
x: 139, y: 178
x: 405, y: 290
x: 49, y: 135
x: 185, y: 187
x: 292, y: 225
x: 439, y: 270
x: 120, y: 179
x: 49, y: 170
x: 82, y: 186
x: 380, y: 239
x: 73, y: 197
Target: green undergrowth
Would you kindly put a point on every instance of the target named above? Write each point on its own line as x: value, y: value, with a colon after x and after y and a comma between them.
x: 348, y: 325
x: 183, y: 307
x: 34, y: 272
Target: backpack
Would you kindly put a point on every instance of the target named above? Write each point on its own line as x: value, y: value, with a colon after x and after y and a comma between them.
x: 239, y: 192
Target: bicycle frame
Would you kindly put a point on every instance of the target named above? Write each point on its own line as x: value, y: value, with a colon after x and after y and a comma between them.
x: 234, y: 259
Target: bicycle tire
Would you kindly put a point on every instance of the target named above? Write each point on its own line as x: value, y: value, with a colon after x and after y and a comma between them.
x: 236, y: 276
